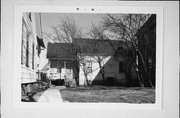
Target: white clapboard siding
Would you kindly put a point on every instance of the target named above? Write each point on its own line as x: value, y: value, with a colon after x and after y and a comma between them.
x: 29, y: 73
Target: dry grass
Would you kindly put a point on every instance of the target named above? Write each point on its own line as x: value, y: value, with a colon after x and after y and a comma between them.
x: 109, y: 94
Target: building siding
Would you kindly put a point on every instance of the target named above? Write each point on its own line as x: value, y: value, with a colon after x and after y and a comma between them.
x: 29, y: 71
x: 95, y: 70
x: 111, y: 70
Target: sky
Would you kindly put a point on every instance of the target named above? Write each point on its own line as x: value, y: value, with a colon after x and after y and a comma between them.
x: 53, y: 19
x: 82, y: 19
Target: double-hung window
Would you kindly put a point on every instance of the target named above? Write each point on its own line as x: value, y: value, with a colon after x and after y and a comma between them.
x: 89, y: 66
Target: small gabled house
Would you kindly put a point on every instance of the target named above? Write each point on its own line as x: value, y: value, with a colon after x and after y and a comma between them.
x: 98, y: 61
x: 60, y: 61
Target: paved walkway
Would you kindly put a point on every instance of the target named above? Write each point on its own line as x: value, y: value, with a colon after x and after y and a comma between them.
x: 52, y: 95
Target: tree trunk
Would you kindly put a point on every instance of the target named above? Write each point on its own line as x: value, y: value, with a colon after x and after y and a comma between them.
x: 76, y: 72
x: 102, y: 72
x: 140, y: 78
x: 145, y: 68
x: 85, y: 74
x: 77, y: 79
x: 87, y: 83
x: 103, y: 77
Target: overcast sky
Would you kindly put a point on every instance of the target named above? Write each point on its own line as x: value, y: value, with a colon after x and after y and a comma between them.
x: 53, y: 19
x: 82, y: 19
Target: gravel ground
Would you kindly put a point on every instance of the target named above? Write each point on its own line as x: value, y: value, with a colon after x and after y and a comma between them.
x: 109, y: 94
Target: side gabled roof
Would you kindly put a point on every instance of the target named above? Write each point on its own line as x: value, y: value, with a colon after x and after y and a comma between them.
x: 59, y: 50
x: 94, y: 46
x: 83, y: 46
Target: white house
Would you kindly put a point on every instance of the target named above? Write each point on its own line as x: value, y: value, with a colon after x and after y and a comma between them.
x: 31, y: 45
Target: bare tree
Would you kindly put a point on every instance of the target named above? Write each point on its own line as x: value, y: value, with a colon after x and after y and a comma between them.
x: 66, y: 32
x: 97, y: 32
x: 124, y: 27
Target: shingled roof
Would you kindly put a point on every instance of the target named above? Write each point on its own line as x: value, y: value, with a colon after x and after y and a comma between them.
x: 83, y: 46
x: 59, y: 50
x: 98, y: 46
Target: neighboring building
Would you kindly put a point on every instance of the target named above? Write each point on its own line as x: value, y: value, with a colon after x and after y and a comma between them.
x: 60, y: 61
x: 31, y: 45
x: 147, y: 46
x: 61, y: 57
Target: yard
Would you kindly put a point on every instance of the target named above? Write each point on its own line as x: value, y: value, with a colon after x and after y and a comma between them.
x: 109, y: 94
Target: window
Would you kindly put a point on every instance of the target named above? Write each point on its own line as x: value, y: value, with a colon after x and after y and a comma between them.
x: 33, y: 56
x: 121, y: 67
x: 30, y: 16
x: 89, y: 66
x: 150, y: 62
x: 27, y: 51
x: 24, y: 43
x: 22, y: 46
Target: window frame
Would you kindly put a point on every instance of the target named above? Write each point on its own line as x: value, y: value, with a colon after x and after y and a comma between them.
x: 33, y: 55
x: 89, y: 66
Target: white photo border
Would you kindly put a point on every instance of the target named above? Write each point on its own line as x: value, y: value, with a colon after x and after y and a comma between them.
x: 18, y: 10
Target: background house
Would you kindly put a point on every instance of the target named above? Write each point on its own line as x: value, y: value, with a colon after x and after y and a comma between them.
x: 31, y: 45
x: 60, y: 59
x: 94, y: 56
x: 147, y: 46
x: 100, y: 60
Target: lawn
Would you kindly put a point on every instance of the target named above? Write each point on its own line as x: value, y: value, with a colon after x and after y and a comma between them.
x: 109, y: 94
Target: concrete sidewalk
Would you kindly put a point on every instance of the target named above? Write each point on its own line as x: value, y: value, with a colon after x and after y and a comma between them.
x: 52, y: 95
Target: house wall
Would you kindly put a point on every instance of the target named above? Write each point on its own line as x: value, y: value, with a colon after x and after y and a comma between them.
x: 95, y: 70
x: 147, y: 47
x: 30, y: 61
x: 111, y: 69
